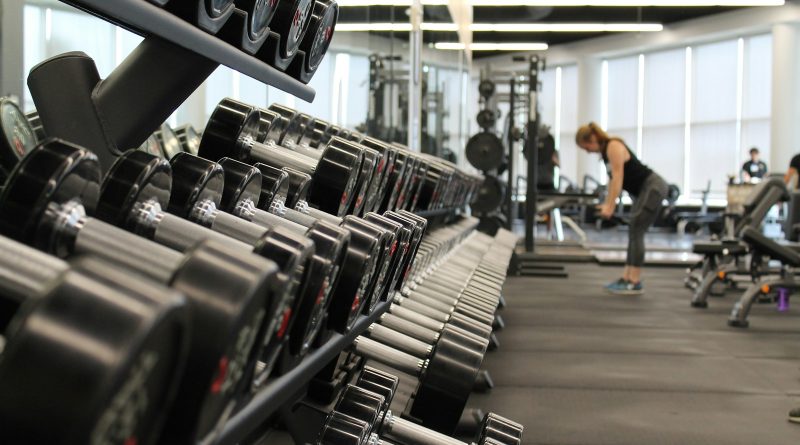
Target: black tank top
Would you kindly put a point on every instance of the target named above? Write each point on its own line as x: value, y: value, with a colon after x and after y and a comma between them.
x: 635, y: 173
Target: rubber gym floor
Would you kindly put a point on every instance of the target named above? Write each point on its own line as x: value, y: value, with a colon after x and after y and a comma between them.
x: 579, y: 366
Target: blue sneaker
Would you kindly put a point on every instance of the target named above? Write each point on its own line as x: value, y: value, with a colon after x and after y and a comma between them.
x: 624, y: 287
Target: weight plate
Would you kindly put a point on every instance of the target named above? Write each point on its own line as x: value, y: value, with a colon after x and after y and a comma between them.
x: 447, y: 383
x: 54, y: 172
x: 490, y: 195
x: 229, y: 130
x: 274, y: 185
x: 485, y: 151
x: 297, y: 189
x: 242, y: 185
x: 115, y: 384
x: 291, y: 23
x: 259, y: 15
x: 189, y: 138
x: 318, y: 40
x: 335, y: 176
x: 486, y: 119
x: 486, y: 88
x: 135, y: 177
x: 170, y: 143
x: 194, y: 180
x: 18, y: 134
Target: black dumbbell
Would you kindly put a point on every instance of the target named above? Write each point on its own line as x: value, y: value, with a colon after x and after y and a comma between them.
x: 396, y: 179
x: 445, y: 379
x: 284, y: 128
x: 383, y: 384
x: 362, y: 259
x: 138, y: 187
x: 259, y: 16
x: 43, y: 205
x: 210, y: 15
x: 316, y: 41
x: 189, y: 138
x: 386, y: 234
x: 369, y: 402
x: 232, y: 131
x: 376, y: 194
x: 291, y: 22
x: 89, y: 347
x: 422, y: 349
x: 243, y: 188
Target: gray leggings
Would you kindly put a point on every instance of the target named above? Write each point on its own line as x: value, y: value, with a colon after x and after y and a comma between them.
x: 645, y: 210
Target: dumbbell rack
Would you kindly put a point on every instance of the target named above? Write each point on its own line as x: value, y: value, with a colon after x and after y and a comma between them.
x: 146, y: 19
x: 121, y: 111
x: 283, y: 389
x: 142, y: 115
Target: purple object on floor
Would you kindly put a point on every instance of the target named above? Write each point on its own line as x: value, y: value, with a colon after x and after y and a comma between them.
x: 783, y: 299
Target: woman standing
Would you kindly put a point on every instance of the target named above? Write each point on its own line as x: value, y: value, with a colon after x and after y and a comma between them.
x: 647, y: 188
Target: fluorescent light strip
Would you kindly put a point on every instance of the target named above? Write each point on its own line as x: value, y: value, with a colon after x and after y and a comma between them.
x: 505, y: 27
x: 566, y: 27
x: 396, y: 27
x: 364, y: 3
x: 612, y: 3
x: 675, y: 3
x: 493, y: 46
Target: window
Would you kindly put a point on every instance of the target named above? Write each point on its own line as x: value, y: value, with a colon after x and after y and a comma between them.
x: 664, y: 113
x: 756, y: 96
x: 623, y: 99
x: 567, y: 78
x: 713, y: 152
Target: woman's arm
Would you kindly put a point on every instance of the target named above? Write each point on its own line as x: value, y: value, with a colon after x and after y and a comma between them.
x: 617, y: 155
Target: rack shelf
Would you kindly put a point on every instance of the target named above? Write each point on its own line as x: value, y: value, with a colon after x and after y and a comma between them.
x: 280, y: 391
x: 146, y: 19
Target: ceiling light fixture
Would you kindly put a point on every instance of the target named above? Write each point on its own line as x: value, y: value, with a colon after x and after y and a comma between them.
x: 396, y: 27
x: 492, y: 46
x: 644, y: 3
x: 566, y: 27
x: 676, y: 3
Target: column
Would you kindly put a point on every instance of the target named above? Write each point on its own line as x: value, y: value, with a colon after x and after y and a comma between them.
x: 785, y: 130
x: 590, y: 74
x: 12, y: 77
x: 415, y: 77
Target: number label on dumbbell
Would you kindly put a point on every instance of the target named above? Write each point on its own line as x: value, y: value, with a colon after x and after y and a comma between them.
x: 119, y: 422
x: 228, y: 379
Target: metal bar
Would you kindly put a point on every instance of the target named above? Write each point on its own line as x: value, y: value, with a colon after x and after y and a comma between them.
x: 280, y: 390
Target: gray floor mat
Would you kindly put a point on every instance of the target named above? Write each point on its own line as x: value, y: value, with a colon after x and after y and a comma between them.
x: 578, y: 366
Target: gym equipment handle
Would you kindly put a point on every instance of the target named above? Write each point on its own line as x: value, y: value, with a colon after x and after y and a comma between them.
x: 124, y: 248
x: 388, y: 356
x: 399, y: 340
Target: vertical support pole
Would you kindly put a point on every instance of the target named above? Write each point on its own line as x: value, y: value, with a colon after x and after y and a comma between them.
x: 532, y: 149
x: 415, y: 77
x: 511, y: 141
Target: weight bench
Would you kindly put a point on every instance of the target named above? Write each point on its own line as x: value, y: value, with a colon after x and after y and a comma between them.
x: 789, y: 258
x: 722, y: 259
